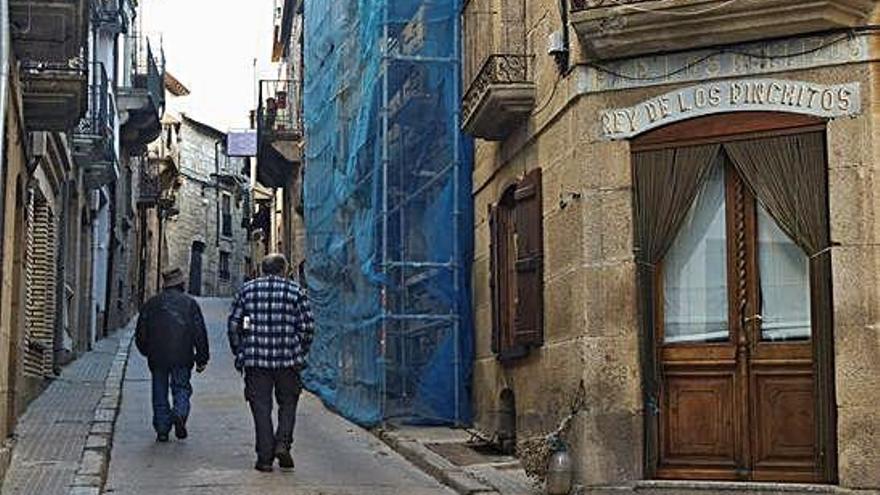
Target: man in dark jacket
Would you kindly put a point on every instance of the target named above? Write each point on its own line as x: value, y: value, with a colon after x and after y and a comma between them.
x: 171, y: 334
x: 270, y: 332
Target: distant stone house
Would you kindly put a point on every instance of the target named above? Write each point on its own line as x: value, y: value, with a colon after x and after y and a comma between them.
x: 198, y: 224
x: 206, y: 238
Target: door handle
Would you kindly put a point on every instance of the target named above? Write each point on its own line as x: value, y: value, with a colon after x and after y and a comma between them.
x: 749, y: 319
x: 746, y: 324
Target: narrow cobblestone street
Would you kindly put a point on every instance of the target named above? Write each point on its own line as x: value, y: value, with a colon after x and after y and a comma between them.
x: 332, y: 455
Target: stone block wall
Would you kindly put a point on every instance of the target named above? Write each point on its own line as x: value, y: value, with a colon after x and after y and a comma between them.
x: 196, y: 222
x: 591, y: 331
x: 199, y: 199
x: 589, y: 277
x: 854, y: 202
x: 291, y: 225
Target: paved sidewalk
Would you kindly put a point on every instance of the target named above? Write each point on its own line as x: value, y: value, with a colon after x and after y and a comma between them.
x: 53, y: 431
x: 333, y: 456
x: 454, y: 457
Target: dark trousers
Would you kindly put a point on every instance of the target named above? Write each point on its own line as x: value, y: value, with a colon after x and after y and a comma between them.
x: 259, y: 384
x: 177, y: 381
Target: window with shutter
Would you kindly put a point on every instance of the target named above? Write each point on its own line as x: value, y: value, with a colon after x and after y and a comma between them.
x: 226, y: 218
x: 494, y: 277
x: 528, y: 328
x: 516, y: 269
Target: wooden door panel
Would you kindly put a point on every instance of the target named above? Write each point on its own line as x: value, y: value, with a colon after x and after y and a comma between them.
x: 698, y: 355
x: 698, y: 419
x: 784, y: 423
x: 746, y: 408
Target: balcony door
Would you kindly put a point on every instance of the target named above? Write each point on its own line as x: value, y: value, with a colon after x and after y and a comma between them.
x: 740, y: 321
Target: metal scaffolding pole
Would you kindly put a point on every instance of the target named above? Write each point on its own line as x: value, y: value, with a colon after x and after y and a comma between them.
x: 456, y: 212
x: 395, y: 305
x: 383, y: 368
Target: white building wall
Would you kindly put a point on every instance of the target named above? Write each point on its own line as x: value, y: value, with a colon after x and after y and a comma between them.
x: 100, y: 263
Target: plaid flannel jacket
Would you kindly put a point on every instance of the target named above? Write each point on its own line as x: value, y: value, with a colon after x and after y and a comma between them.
x: 281, y: 324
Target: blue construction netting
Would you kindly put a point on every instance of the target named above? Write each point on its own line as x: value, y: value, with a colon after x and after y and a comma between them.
x: 388, y: 210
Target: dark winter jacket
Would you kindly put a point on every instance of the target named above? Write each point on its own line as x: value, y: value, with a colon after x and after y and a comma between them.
x: 171, y: 331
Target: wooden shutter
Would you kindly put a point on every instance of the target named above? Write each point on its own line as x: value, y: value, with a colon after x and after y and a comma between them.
x: 529, y: 325
x: 494, y: 266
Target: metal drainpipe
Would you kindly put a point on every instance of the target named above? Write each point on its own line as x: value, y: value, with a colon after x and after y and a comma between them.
x: 61, y: 270
x: 217, y: 191
x: 565, y: 60
x: 160, y: 214
x: 218, y: 219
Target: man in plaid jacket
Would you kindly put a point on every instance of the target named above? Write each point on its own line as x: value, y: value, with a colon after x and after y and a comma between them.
x: 270, y: 332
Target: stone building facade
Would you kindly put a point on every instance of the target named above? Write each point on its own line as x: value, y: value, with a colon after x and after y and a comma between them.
x: 67, y: 130
x: 15, y: 392
x: 683, y: 347
x: 205, y: 208
x: 280, y: 157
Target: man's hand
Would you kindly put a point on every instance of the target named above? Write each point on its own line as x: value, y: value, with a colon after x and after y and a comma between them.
x: 201, y: 367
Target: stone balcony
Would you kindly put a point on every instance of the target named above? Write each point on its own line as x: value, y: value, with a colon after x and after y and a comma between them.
x: 48, y: 39
x: 279, y: 132
x: 612, y: 29
x: 142, y: 104
x: 94, y: 137
x: 500, y: 98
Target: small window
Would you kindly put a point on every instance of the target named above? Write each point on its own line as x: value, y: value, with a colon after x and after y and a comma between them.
x: 226, y: 208
x: 224, y: 266
x: 517, y: 269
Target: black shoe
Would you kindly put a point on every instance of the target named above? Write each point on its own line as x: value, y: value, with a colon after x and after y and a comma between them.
x: 285, y: 460
x: 180, y: 428
x: 263, y: 468
x: 161, y: 437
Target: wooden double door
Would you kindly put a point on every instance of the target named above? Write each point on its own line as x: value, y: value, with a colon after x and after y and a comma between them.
x: 735, y: 344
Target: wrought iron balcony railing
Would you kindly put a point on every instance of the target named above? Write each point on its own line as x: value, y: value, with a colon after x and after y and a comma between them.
x: 501, y: 95
x: 149, y: 183
x: 578, y: 5
x: 142, y: 96
x: 279, y: 115
x: 109, y: 15
x: 150, y: 75
x: 279, y: 131
x: 98, y: 121
x: 95, y: 136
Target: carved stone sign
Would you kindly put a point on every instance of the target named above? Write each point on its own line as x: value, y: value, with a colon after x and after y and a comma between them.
x: 768, y: 57
x: 757, y: 95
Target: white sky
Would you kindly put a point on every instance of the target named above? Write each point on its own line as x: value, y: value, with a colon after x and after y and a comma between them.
x: 210, y: 46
